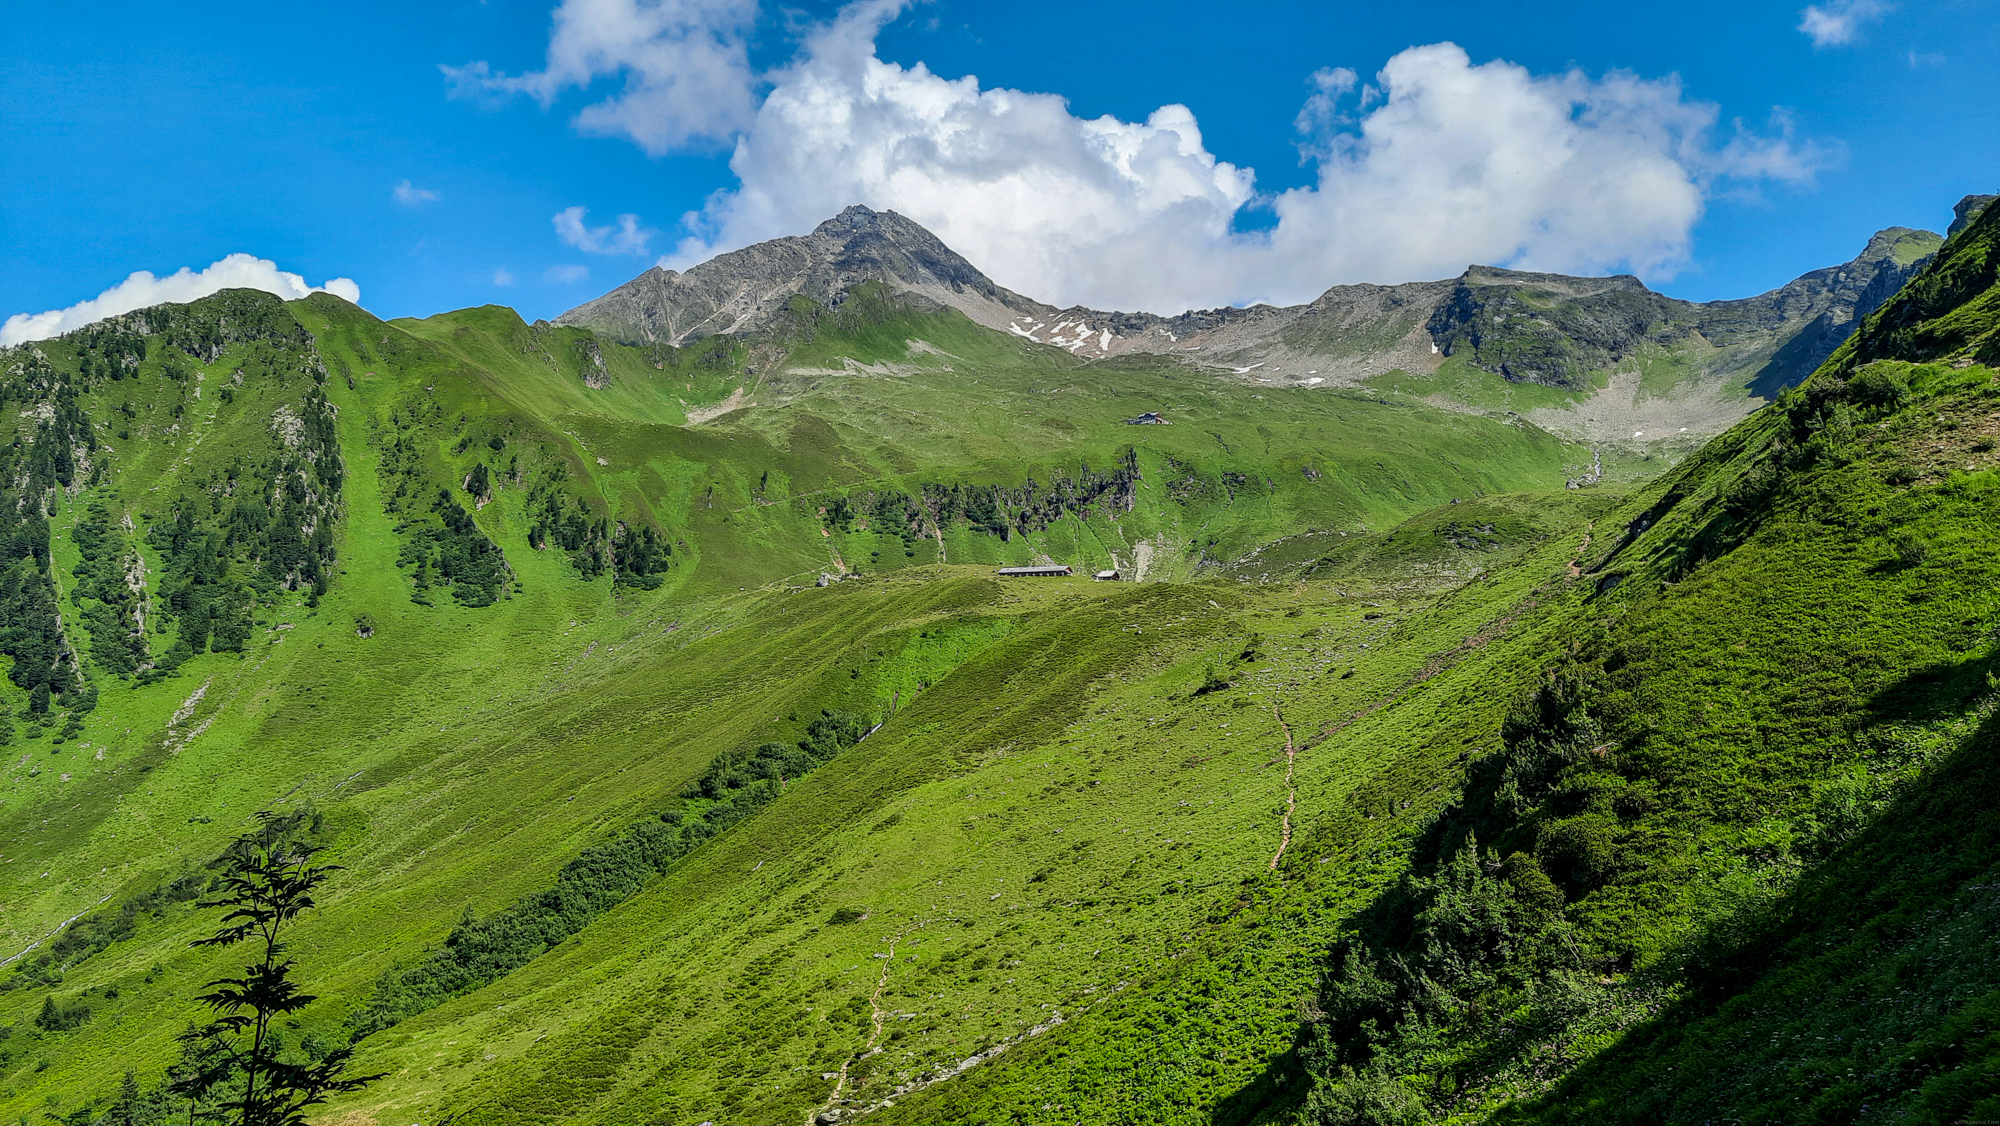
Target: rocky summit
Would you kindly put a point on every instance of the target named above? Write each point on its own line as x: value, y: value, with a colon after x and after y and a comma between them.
x: 747, y: 292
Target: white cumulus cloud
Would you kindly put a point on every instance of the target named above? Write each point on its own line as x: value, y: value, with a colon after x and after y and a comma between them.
x: 1436, y: 163
x: 685, y: 62
x: 142, y: 289
x: 503, y: 277
x: 628, y: 237
x: 409, y: 195
x: 566, y: 275
x: 1837, y: 23
x: 1053, y: 205
x: 1457, y: 163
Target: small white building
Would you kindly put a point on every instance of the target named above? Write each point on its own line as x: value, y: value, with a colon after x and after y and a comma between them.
x: 1106, y: 576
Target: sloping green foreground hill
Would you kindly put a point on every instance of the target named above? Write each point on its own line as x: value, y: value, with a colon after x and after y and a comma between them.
x: 468, y: 600
x: 1417, y: 789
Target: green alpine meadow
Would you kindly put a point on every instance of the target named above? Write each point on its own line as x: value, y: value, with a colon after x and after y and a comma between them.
x: 825, y: 686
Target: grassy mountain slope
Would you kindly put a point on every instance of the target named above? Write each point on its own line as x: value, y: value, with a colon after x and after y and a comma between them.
x: 1734, y: 838
x: 463, y: 713
x: 1056, y: 823
x: 1427, y: 790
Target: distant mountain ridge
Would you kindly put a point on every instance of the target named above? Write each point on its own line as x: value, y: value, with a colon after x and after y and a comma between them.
x: 1528, y: 328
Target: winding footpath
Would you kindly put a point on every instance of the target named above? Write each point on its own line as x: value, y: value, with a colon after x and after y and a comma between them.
x: 875, y: 1019
x: 1576, y: 564
x: 1291, y: 790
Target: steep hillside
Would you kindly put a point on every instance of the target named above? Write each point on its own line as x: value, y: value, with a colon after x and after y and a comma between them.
x: 1713, y: 842
x: 1734, y: 842
x: 467, y: 599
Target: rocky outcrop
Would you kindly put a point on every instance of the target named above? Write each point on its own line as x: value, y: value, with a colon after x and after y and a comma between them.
x: 1553, y: 329
x: 1966, y: 211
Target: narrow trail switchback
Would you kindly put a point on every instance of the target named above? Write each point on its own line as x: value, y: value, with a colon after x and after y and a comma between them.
x: 1291, y: 790
x: 1576, y: 565
x: 875, y: 1019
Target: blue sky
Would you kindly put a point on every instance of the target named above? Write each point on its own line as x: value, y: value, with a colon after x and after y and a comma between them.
x: 142, y: 137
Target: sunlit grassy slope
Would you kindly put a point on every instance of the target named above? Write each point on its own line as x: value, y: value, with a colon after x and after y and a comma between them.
x: 1409, y: 785
x: 458, y: 755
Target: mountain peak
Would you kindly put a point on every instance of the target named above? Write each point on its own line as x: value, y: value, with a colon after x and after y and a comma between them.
x: 852, y: 217
x: 1524, y: 325
x: 1905, y: 245
x: 745, y: 290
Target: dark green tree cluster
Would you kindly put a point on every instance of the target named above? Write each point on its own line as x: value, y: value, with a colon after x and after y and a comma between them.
x: 109, y: 593
x: 32, y: 467
x: 255, y: 529
x: 995, y: 510
x: 479, y: 484
x: 763, y: 769
x: 562, y: 520
x: 31, y: 628
x: 454, y: 553
x: 478, y: 951
x: 595, y: 545
x: 443, y: 544
x: 203, y: 585
x: 639, y: 557
x: 406, y: 483
x: 206, y: 328
x: 62, y: 440
x: 1470, y: 957
x: 59, y: 1017
x: 108, y: 351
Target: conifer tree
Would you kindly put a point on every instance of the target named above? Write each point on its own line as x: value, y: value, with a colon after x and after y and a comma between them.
x: 267, y: 887
x: 130, y: 1108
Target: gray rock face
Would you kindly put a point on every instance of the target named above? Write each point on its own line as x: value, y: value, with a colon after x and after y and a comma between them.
x: 1557, y: 330
x: 1967, y: 210
x: 1810, y: 316
x: 1526, y: 327
x: 743, y: 291
x: 1553, y: 329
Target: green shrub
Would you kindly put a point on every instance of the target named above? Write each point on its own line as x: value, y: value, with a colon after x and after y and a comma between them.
x: 58, y: 1017
x: 1581, y: 851
x: 1880, y: 386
